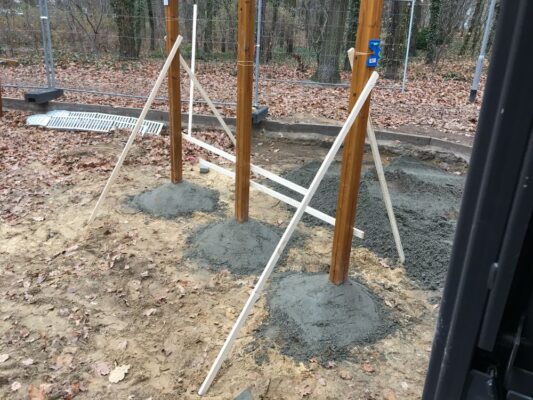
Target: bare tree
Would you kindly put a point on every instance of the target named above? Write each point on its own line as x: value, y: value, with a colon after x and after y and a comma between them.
x: 331, y: 42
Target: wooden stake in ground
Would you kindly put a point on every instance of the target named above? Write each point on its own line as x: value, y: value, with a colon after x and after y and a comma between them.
x: 174, y: 95
x: 352, y: 160
x: 136, y: 128
x: 245, y: 63
x: 385, y: 190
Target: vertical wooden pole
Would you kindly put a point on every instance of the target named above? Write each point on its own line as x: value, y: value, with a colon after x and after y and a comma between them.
x: 245, y: 54
x: 368, y: 28
x: 174, y: 95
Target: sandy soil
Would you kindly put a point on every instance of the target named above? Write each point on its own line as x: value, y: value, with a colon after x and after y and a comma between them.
x: 76, y: 302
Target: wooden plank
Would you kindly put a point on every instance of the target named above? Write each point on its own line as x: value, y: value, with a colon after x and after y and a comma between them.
x: 352, y: 160
x: 385, y: 190
x: 281, y: 197
x: 136, y: 128
x: 245, y: 53
x: 174, y: 95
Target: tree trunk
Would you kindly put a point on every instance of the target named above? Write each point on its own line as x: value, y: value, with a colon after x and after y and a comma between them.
x: 129, y: 19
x: 208, y: 33
x: 351, y: 31
x: 393, y: 50
x: 417, y: 19
x: 272, y: 32
x: 474, y: 24
x: 289, y: 31
x: 151, y: 22
x: 229, y: 8
x: 434, y: 31
x: 331, y: 42
x: 494, y: 24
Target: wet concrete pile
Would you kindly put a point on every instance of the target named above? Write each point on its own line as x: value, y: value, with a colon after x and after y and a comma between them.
x: 172, y: 200
x: 311, y: 317
x: 242, y: 248
x: 426, y: 202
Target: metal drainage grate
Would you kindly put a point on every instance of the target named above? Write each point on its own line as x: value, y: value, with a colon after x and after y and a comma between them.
x: 96, y: 122
x: 80, y: 124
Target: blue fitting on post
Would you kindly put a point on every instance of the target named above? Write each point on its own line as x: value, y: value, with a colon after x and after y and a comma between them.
x: 375, y: 46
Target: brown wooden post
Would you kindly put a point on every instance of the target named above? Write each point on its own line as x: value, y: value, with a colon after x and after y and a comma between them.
x: 174, y: 95
x: 352, y: 160
x: 245, y: 54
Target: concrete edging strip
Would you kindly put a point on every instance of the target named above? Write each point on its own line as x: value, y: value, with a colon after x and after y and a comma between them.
x: 208, y: 121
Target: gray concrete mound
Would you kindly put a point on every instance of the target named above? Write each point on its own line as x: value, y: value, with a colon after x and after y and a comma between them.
x: 426, y: 203
x: 242, y: 248
x: 311, y: 317
x: 172, y: 200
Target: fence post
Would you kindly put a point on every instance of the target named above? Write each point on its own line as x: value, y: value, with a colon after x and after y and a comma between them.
x: 409, y: 35
x: 481, y: 58
x: 245, y: 72
x: 368, y: 28
x: 47, y: 44
x: 174, y: 92
x: 258, y: 51
x: 193, y: 67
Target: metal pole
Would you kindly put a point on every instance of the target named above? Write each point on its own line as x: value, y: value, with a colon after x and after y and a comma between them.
x: 409, y: 35
x: 258, y: 51
x: 47, y: 44
x: 481, y: 58
x: 193, y: 63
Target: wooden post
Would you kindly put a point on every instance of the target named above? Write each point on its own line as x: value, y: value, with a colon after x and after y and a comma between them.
x: 174, y: 95
x: 245, y: 53
x: 368, y: 28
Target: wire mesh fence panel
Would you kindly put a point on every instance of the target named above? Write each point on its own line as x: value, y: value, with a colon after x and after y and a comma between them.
x: 110, y: 52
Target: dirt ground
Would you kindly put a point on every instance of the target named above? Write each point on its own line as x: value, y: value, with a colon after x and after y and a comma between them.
x: 77, y: 301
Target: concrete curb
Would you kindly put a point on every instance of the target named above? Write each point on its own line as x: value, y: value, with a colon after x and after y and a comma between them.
x: 276, y: 128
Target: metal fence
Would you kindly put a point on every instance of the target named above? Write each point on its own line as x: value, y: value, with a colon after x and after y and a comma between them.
x: 84, y: 35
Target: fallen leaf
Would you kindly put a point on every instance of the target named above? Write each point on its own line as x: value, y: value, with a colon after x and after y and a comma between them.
x: 4, y: 357
x: 368, y: 368
x: 150, y: 312
x: 321, y: 381
x: 118, y: 374
x: 15, y: 386
x: 64, y: 360
x: 122, y: 345
x: 345, y: 375
x: 103, y: 368
x: 36, y: 393
x: 27, y: 361
x: 306, y: 391
x: 388, y: 394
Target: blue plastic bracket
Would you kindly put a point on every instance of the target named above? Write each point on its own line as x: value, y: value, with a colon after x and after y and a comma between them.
x: 375, y: 46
